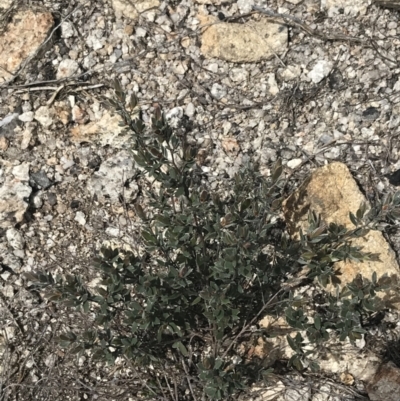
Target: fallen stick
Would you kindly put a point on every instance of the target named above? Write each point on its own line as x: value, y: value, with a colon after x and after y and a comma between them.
x: 395, y: 4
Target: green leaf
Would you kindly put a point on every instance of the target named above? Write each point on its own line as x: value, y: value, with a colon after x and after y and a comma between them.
x: 139, y: 159
x: 196, y: 301
x: 276, y: 204
x: 175, y: 329
x: 179, y: 345
x: 140, y: 212
x: 291, y: 342
x: 245, y: 204
x: 67, y: 338
x: 86, y: 307
x: 119, y: 91
x: 173, y: 172
x: 180, y: 191
x: 133, y: 101
x: 314, y: 367
x: 228, y: 238
x: 308, y: 255
x: 218, y: 363
x: 149, y: 237
x: 353, y: 219
x: 211, y: 392
x: 361, y: 211
x: 296, y: 362
x: 317, y: 322
x: 277, y: 172
x: 77, y: 349
x: 164, y: 220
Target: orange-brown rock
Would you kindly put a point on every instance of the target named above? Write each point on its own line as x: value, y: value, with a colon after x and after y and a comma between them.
x: 132, y: 9
x: 332, y: 192
x: 231, y: 146
x: 21, y: 40
x: 106, y: 131
x: 242, y: 43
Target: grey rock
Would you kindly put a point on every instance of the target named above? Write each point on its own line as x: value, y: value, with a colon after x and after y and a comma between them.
x: 21, y: 172
x: 41, y: 179
x: 344, y: 6
x: 8, y: 119
x: 9, y: 259
x: 190, y: 109
x: 320, y: 70
x: 26, y: 117
x: 80, y: 218
x: 294, y: 163
x: 174, y: 116
x: 290, y: 72
x: 67, y: 68
x: 67, y: 29
x: 113, y: 232
x: 94, y: 42
x: 14, y: 195
x: 325, y: 139
x: 15, y: 239
x: 245, y: 6
x: 298, y: 394
x: 45, y: 116
x: 218, y: 91
x: 8, y: 124
x: 371, y: 113
x: 386, y: 383
x: 52, y: 198
x: 141, y: 32
x: 176, y: 112
x: 113, y: 179
x: 213, y: 67
x: 238, y: 74
x: 26, y: 139
x: 37, y: 200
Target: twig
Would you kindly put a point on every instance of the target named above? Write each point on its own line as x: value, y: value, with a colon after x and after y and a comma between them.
x: 58, y: 88
x: 247, y: 326
x: 375, y: 47
x: 161, y: 388
x: 20, y: 328
x: 169, y: 387
x: 395, y: 4
x: 297, y: 23
x: 187, y: 378
x: 54, y: 95
x: 143, y: 382
x: 176, y: 390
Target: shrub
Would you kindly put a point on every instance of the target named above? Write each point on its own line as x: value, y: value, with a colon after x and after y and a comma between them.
x: 209, y: 266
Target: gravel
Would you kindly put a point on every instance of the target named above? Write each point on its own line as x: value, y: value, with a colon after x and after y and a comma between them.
x: 317, y: 102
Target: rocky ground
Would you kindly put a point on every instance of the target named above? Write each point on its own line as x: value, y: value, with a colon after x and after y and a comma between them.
x: 306, y: 81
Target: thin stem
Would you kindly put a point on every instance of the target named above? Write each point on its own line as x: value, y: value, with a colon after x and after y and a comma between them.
x: 188, y: 380
x: 247, y: 326
x: 143, y: 382
x: 169, y: 387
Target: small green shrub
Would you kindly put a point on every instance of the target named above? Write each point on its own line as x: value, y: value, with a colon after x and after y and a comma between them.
x: 209, y: 266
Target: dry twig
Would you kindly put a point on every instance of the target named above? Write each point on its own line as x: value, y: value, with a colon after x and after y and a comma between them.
x: 296, y: 23
x: 395, y: 4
